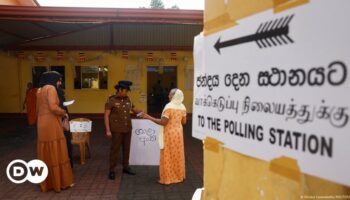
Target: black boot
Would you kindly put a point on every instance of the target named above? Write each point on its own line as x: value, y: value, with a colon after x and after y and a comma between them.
x: 111, y: 175
x: 127, y: 170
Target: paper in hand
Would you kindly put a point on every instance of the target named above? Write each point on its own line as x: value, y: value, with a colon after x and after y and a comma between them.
x: 68, y: 103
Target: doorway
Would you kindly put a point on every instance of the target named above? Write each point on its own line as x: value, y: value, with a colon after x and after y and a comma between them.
x: 160, y: 80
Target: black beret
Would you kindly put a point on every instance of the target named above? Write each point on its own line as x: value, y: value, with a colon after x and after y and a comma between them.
x: 123, y: 85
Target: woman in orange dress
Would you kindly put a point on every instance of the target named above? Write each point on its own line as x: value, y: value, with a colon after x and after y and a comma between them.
x: 172, y: 155
x: 51, y: 143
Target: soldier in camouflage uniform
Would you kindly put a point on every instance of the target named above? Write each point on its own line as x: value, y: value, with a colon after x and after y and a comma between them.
x: 118, y: 126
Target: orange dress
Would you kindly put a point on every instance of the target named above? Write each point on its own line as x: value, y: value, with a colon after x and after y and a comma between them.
x: 31, y: 106
x: 51, y: 143
x: 172, y: 156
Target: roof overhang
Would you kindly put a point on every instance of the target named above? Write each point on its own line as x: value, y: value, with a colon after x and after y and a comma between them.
x: 37, y: 28
x: 101, y: 15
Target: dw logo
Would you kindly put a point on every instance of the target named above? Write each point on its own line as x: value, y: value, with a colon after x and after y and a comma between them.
x: 35, y: 171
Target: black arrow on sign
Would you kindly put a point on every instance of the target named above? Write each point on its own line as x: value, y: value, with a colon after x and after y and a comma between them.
x: 272, y: 33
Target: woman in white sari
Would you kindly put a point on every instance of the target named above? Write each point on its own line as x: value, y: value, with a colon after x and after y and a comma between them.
x: 172, y: 155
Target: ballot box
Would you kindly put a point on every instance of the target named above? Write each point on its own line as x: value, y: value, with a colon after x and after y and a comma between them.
x: 80, y: 125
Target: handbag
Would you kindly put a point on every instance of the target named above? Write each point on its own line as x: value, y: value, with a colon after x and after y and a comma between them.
x: 65, y: 124
x: 161, y: 137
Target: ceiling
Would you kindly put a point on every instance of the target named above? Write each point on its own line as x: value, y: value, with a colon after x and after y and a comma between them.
x: 39, y: 28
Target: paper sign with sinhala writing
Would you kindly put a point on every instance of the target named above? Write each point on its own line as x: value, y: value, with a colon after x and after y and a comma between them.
x: 278, y: 85
x: 144, y: 148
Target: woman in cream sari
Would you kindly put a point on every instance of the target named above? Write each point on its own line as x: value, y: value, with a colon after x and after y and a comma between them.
x: 172, y: 155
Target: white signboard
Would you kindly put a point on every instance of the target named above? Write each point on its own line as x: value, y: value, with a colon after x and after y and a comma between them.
x: 80, y: 127
x: 278, y: 85
x: 144, y: 149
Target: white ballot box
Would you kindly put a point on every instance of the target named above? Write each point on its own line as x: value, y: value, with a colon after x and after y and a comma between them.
x: 144, y: 148
x: 80, y: 126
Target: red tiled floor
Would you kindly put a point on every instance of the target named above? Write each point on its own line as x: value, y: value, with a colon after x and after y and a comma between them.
x: 17, y: 141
